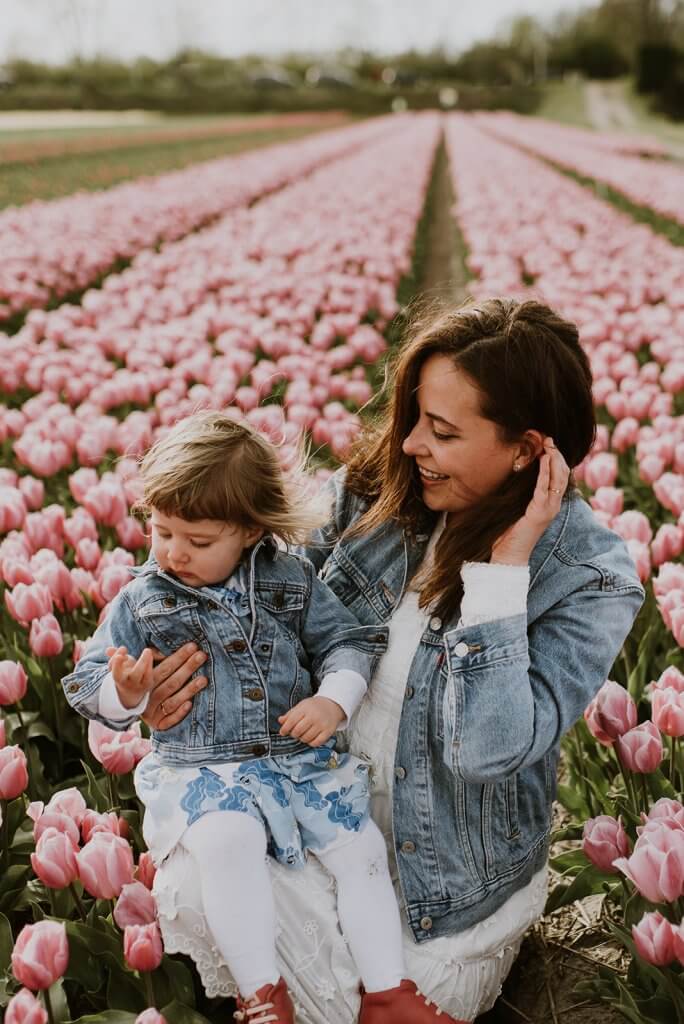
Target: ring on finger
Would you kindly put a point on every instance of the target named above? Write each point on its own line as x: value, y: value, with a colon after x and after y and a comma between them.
x: 556, y: 490
x: 163, y: 709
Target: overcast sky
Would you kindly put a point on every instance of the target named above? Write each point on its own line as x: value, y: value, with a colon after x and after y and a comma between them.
x: 53, y: 30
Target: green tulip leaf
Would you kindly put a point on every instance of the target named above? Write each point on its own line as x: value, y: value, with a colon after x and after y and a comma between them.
x: 176, y: 1013
x: 6, y: 943
x: 108, y: 1017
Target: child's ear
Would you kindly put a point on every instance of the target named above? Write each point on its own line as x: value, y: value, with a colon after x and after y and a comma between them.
x: 252, y: 535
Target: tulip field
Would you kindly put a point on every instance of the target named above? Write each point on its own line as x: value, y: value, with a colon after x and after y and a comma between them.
x: 272, y: 283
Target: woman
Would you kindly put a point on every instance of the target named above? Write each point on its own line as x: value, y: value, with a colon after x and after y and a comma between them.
x: 455, y: 530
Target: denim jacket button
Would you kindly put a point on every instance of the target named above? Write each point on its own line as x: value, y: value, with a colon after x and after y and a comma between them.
x: 255, y: 694
x: 435, y: 623
x: 409, y: 692
x: 461, y: 649
x: 400, y: 773
x: 426, y: 923
x: 408, y: 846
x: 169, y: 602
x: 236, y: 645
x: 259, y: 750
x: 73, y: 687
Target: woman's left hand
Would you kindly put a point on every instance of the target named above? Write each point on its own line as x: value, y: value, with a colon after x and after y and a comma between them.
x: 515, y: 546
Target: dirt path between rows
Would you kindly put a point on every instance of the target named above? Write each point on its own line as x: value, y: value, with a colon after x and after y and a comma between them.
x: 444, y: 278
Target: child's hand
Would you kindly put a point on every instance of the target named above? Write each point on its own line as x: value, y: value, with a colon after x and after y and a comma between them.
x: 133, y: 677
x: 312, y: 721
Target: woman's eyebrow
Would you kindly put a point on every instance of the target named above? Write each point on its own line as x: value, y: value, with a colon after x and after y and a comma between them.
x: 436, y: 416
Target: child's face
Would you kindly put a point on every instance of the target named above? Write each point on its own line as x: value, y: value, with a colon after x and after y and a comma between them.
x: 200, y: 552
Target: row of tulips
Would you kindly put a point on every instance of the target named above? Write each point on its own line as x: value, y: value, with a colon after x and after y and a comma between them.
x: 530, y: 230
x: 656, y: 184
x: 269, y: 307
x: 51, y: 249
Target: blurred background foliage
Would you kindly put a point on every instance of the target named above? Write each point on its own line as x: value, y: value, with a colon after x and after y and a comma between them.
x: 643, y: 39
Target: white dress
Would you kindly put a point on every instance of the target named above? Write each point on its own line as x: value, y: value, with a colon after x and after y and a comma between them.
x: 463, y: 973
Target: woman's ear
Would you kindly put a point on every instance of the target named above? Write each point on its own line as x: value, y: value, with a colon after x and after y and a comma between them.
x: 531, y: 446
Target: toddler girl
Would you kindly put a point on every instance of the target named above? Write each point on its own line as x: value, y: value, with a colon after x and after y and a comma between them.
x: 253, y: 768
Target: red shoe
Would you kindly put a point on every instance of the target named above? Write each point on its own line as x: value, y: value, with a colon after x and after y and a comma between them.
x: 402, y: 1005
x: 271, y: 1004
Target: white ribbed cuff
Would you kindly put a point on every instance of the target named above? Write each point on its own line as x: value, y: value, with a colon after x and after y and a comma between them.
x: 347, y: 688
x: 492, y: 591
x: 109, y: 705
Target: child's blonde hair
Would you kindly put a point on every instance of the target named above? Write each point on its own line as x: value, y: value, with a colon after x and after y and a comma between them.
x: 210, y: 467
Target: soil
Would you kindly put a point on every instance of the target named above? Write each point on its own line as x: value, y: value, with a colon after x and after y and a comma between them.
x: 445, y: 277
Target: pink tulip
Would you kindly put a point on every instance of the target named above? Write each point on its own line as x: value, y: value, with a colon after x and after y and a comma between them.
x: 106, y: 502
x: 678, y: 937
x: 143, y: 946
x: 641, y: 749
x: 13, y: 509
x: 611, y: 713
x: 668, y: 543
x: 13, y: 772
x: 641, y: 556
x: 656, y: 867
x: 131, y: 534
x: 668, y: 711
x: 33, y: 491
x: 28, y: 601
x: 117, y: 752
x: 45, y: 637
x: 136, y: 905
x: 146, y: 870
x: 56, y: 821
x: 16, y: 570
x: 41, y: 531
x: 149, y: 1016
x: 668, y: 809
x: 68, y: 801
x: 671, y: 678
x: 59, y: 581
x: 604, y: 840
x: 654, y: 939
x: 13, y: 682
x: 94, y: 822
x: 81, y: 482
x: 105, y: 865
x: 88, y: 554
x: 3, y: 738
x: 81, y: 526
x: 608, y: 499
x: 633, y: 525
x: 41, y: 954
x: 54, y: 860
x: 24, y: 1008
x: 600, y: 470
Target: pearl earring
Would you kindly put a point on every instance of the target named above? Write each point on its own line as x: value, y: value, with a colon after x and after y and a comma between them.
x: 516, y: 467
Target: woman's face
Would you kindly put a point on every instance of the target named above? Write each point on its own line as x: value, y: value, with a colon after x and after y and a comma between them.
x: 458, y: 454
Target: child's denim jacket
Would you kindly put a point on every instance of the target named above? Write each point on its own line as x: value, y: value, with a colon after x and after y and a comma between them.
x: 259, y: 663
x: 485, y: 706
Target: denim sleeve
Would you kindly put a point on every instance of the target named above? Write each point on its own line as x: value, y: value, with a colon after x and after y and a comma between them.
x: 512, y: 692
x: 333, y: 637
x: 82, y: 686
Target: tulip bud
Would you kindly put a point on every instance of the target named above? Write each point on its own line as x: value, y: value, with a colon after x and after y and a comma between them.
x: 56, y: 821
x: 668, y: 711
x: 54, y: 861
x: 13, y: 772
x: 143, y: 946
x: 654, y: 939
x: 45, y: 637
x: 13, y: 682
x: 105, y: 865
x: 68, y: 801
x: 24, y: 1008
x: 656, y: 867
x: 117, y: 752
x: 94, y: 822
x: 41, y: 954
x: 150, y: 1016
x: 146, y: 870
x: 641, y: 749
x: 611, y: 713
x: 136, y: 905
x: 604, y: 840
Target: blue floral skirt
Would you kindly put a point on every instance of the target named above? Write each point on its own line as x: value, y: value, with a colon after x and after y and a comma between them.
x: 303, y: 800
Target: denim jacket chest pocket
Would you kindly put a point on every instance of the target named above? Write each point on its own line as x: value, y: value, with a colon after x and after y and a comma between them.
x: 370, y: 602
x: 170, y: 620
x: 280, y: 606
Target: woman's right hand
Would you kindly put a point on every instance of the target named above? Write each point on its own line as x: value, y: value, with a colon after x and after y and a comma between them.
x: 173, y: 690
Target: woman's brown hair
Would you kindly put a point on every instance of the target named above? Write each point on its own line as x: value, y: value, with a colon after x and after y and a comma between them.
x: 532, y: 374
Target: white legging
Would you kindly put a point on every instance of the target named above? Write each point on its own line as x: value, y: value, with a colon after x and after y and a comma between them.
x: 229, y: 849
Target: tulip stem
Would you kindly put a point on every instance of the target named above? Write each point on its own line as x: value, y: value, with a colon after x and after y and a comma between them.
x: 22, y: 723
x: 4, y: 828
x: 78, y: 901
x: 113, y: 792
x: 48, y: 1006
x: 675, y: 994
x: 149, y: 988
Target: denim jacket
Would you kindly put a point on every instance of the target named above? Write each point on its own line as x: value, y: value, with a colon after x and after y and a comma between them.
x: 485, y: 706
x: 259, y: 664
